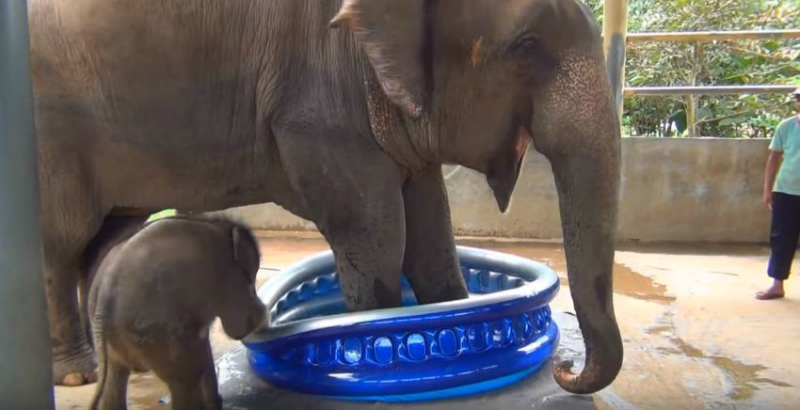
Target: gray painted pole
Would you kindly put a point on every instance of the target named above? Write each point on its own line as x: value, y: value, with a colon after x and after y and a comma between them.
x: 615, y: 32
x: 26, y: 380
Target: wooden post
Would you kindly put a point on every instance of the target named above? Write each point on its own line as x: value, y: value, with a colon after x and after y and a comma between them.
x: 26, y: 380
x: 692, y: 102
x: 615, y: 32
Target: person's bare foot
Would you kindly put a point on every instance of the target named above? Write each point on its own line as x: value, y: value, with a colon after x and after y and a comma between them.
x: 769, y: 295
x: 773, y: 292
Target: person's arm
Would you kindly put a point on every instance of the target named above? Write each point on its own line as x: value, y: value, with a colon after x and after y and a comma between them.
x: 773, y: 165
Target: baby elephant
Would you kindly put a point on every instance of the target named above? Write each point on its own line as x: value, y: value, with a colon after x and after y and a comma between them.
x: 154, y: 297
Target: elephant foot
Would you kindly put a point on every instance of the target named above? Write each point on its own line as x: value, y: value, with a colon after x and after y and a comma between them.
x: 76, y: 369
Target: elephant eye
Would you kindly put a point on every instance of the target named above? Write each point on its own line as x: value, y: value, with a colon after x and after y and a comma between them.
x: 532, y: 56
x: 525, y: 45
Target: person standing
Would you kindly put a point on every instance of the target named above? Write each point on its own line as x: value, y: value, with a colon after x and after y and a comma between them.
x: 782, y: 197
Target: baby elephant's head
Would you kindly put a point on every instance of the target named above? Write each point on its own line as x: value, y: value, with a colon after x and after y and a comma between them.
x: 242, y: 310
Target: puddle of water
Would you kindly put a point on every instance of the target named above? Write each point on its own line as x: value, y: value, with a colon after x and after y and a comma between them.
x: 742, y: 377
x: 227, y: 370
x: 638, y: 286
x: 626, y: 281
x: 607, y: 399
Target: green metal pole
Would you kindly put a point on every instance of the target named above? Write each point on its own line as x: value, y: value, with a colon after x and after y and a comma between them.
x: 26, y: 380
x: 615, y: 32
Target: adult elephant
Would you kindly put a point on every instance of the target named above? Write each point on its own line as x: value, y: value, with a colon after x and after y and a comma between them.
x: 203, y: 105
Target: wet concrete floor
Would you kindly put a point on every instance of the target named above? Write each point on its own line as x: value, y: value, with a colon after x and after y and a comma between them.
x: 694, y: 336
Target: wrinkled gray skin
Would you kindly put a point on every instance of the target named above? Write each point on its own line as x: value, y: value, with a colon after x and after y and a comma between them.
x: 154, y: 297
x: 203, y: 105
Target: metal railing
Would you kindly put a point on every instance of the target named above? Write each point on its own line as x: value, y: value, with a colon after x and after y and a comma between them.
x: 710, y: 90
x: 708, y: 36
x: 693, y: 90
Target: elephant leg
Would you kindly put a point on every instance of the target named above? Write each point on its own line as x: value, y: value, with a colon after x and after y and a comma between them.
x: 186, y: 396
x: 211, y: 396
x: 431, y: 262
x: 115, y: 387
x: 73, y: 357
x: 368, y: 244
x: 115, y: 229
x: 70, y: 217
x: 353, y: 192
x: 370, y: 277
x: 184, y: 365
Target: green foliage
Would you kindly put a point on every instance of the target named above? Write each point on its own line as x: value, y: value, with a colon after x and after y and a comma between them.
x: 718, y: 63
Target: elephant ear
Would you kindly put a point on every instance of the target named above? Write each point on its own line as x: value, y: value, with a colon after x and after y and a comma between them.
x: 236, y: 239
x: 392, y: 33
x: 245, y: 246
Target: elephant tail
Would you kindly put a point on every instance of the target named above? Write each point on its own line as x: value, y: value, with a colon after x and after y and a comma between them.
x: 84, y: 285
x: 102, y: 356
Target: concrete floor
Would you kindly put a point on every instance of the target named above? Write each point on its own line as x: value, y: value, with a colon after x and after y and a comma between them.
x: 694, y: 335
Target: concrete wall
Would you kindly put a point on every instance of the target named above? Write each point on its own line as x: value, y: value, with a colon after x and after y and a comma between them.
x: 672, y: 190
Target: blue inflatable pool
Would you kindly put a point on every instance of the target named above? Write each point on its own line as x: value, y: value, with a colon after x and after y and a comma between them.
x: 501, y: 334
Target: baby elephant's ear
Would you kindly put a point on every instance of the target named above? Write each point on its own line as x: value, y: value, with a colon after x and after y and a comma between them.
x: 237, y: 237
x: 245, y: 248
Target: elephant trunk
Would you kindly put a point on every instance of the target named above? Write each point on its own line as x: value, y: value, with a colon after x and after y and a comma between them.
x: 588, y: 188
